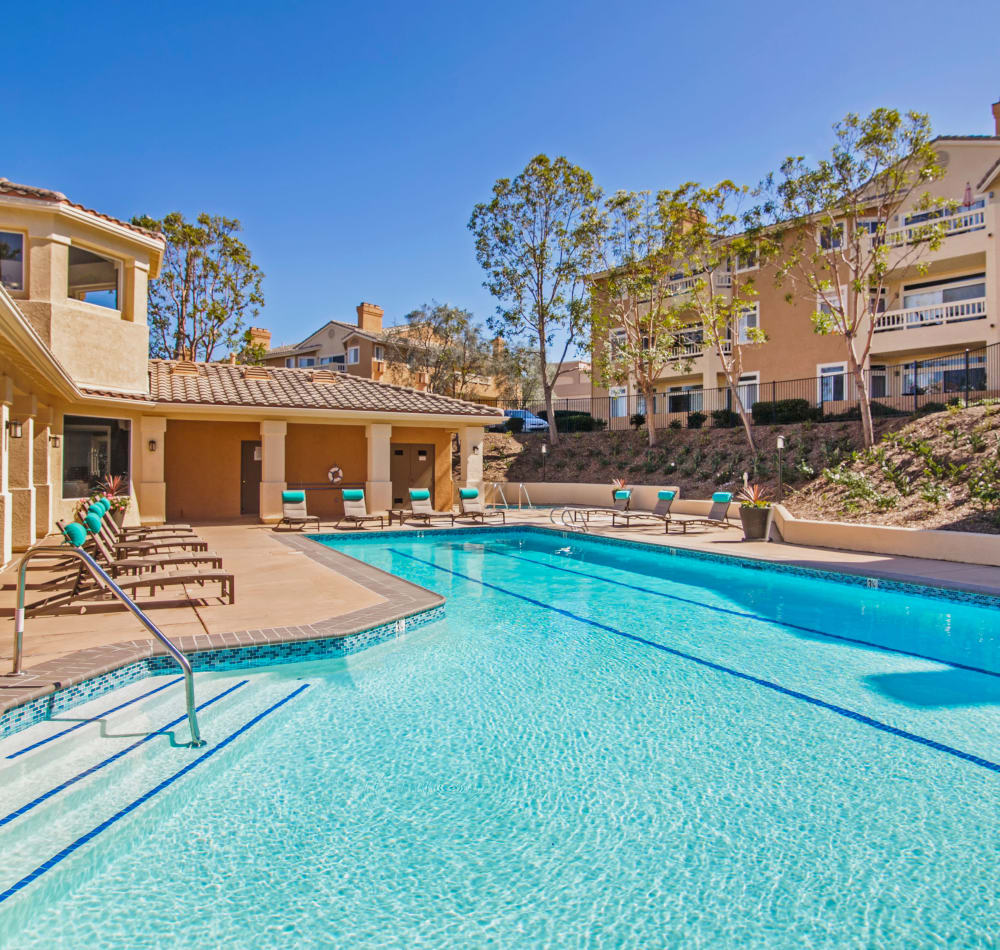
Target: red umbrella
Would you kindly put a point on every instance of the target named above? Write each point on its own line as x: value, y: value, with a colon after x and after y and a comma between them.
x: 968, y: 195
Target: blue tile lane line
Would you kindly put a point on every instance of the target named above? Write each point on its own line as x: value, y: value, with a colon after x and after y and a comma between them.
x: 142, y: 799
x: 86, y: 722
x: 744, y: 614
x: 719, y: 668
x: 113, y: 758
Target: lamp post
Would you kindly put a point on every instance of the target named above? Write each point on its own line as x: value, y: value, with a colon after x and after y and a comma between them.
x: 545, y: 452
x: 781, y: 481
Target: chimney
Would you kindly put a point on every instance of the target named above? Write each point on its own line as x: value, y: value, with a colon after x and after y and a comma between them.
x: 370, y: 317
x: 499, y: 347
x: 996, y: 118
x: 261, y: 336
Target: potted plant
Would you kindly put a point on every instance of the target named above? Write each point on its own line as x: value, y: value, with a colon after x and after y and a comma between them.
x: 755, y: 513
x: 114, y: 488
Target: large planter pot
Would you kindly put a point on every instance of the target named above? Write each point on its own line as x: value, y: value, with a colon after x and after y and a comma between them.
x: 756, y: 523
x: 118, y: 514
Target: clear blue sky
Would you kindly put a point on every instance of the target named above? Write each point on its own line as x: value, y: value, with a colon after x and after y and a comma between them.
x: 352, y: 140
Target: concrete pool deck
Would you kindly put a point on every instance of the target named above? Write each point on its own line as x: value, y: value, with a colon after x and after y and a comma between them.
x: 289, y: 588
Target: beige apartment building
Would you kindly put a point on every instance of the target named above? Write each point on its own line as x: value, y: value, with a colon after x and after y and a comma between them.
x: 364, y: 349
x: 573, y: 381
x: 925, y: 325
x: 81, y: 400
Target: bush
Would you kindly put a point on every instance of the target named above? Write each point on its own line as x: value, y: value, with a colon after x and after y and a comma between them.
x: 573, y: 420
x: 515, y: 424
x: 696, y: 420
x: 725, y: 418
x: 782, y: 411
x: 928, y: 407
x: 676, y: 424
x: 637, y: 421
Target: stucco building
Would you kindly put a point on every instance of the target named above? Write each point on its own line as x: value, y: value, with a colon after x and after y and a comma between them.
x: 922, y: 328
x: 80, y: 399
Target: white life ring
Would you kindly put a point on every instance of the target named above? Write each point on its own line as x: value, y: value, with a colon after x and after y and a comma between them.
x: 335, y: 473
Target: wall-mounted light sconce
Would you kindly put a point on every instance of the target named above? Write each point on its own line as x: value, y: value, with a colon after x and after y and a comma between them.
x: 54, y: 441
x: 151, y: 445
x: 475, y: 450
x: 14, y: 429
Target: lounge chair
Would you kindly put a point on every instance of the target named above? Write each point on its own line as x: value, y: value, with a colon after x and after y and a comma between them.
x: 621, y: 500
x: 293, y: 511
x: 137, y: 532
x: 717, y: 517
x: 659, y: 512
x: 473, y: 508
x: 154, y: 562
x: 76, y: 534
x: 154, y: 544
x: 356, y: 511
x: 421, y: 510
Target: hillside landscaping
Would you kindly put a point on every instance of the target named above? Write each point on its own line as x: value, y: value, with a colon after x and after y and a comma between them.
x: 938, y: 470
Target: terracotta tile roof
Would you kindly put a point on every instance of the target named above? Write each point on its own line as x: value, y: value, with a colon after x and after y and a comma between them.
x: 8, y: 187
x: 288, y: 349
x: 223, y: 384
x: 984, y: 181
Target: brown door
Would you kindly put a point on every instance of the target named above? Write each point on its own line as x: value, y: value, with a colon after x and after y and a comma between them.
x: 250, y: 473
x: 410, y: 466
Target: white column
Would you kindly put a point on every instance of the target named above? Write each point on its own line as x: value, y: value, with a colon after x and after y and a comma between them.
x: 378, y: 484
x: 43, y: 471
x: 272, y: 479
x: 470, y: 441
x: 152, y: 487
x: 22, y: 473
x: 6, y: 521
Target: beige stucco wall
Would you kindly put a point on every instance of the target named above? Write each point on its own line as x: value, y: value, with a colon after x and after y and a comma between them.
x: 310, y: 450
x: 202, y: 468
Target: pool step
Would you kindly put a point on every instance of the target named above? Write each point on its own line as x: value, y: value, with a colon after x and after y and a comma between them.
x: 55, y: 806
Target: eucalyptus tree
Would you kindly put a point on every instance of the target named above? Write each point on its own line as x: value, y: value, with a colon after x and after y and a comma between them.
x: 718, y: 254
x: 536, y: 238
x: 208, y: 288
x: 836, y: 221
x: 636, y: 320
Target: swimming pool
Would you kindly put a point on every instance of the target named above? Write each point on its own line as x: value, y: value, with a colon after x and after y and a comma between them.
x: 598, y: 745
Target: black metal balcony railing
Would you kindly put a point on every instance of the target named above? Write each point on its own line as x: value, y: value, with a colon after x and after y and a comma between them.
x: 896, y: 388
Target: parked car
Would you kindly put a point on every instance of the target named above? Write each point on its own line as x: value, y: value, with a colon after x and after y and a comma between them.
x: 531, y: 422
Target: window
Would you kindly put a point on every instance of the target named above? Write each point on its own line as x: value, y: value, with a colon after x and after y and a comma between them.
x: 684, y: 399
x: 831, y: 236
x: 878, y: 382
x: 12, y: 260
x: 832, y: 380
x: 746, y: 262
x: 92, y: 278
x: 307, y: 361
x: 747, y: 389
x: 932, y: 294
x: 617, y: 342
x: 92, y: 450
x: 946, y: 375
x: 290, y: 362
x: 353, y: 355
x: 619, y: 401
x: 747, y: 321
x: 379, y: 353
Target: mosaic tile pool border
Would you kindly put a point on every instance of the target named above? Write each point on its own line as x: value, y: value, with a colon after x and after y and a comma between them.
x: 665, y: 550
x: 225, y: 658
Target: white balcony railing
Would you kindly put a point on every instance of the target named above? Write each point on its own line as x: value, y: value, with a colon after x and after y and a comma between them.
x: 934, y: 315
x: 958, y: 223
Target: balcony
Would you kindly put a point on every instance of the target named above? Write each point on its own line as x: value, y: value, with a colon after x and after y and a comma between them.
x: 973, y: 219
x: 961, y: 311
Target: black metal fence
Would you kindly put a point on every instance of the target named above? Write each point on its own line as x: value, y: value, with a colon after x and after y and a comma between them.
x: 895, y: 388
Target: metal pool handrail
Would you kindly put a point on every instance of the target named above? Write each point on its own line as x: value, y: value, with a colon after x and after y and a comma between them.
x: 104, y: 580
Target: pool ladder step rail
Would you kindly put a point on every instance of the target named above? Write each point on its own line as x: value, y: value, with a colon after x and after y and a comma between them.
x: 73, y: 550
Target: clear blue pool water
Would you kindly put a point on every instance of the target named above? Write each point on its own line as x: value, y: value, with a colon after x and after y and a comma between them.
x: 597, y: 747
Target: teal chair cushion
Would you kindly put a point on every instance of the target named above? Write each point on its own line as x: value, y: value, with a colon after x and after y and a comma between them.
x: 468, y: 493
x: 99, y: 511
x: 723, y: 496
x: 93, y: 523
x: 665, y: 495
x: 75, y: 534
x: 419, y: 494
x: 622, y: 494
x: 354, y: 494
x: 105, y: 503
x: 293, y: 497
